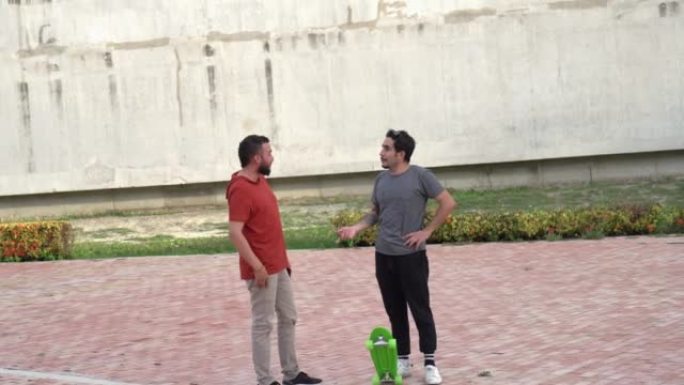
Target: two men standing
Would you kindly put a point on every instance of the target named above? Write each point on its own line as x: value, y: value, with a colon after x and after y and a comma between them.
x: 399, y: 198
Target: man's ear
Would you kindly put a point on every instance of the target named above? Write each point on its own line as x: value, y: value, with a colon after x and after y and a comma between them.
x: 256, y: 158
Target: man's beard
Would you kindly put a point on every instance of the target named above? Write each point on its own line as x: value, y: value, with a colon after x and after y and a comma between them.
x: 264, y: 170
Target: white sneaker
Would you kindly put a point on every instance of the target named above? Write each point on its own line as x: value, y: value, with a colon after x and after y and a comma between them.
x: 404, y: 368
x: 432, y: 376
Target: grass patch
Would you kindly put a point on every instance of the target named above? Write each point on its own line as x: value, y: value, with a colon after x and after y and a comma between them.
x: 107, y: 233
x: 593, y: 234
x: 152, y: 246
x: 213, y: 226
x: 119, y: 213
x: 669, y: 192
x: 154, y: 238
x: 553, y: 237
x: 320, y: 237
x: 357, y: 201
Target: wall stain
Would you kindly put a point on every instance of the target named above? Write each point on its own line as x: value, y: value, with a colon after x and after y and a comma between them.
x: 268, y: 69
x: 208, y: 50
x: 26, y: 135
x: 517, y: 11
x: 112, y: 84
x: 391, y: 8
x: 108, y: 59
x: 153, y: 43
x: 360, y: 25
x: 238, y: 36
x: 673, y: 7
x: 662, y: 9
x: 42, y: 32
x: 468, y: 15
x: 27, y: 2
x: 56, y: 93
x: 179, y: 101
x: 113, y: 93
x: 48, y: 50
x: 313, y: 40
x: 211, y: 79
x: 371, y: 24
x: 579, y: 4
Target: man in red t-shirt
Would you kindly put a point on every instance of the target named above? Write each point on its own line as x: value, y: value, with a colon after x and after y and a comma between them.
x: 257, y: 233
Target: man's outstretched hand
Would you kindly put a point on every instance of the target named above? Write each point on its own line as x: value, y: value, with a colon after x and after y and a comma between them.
x: 347, y: 232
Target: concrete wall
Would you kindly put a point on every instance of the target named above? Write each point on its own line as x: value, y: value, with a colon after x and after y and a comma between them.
x: 656, y: 166
x: 102, y: 95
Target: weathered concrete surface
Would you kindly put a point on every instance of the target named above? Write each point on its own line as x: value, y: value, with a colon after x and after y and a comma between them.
x: 113, y: 94
x: 575, y: 312
x: 625, y: 168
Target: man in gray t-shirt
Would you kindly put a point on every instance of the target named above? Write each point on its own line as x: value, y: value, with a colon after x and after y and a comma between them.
x: 401, y: 266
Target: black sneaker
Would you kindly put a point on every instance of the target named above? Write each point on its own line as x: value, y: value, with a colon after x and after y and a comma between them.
x: 302, y: 379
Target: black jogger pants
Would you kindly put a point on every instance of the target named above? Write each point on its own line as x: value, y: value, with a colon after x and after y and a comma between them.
x: 403, y: 280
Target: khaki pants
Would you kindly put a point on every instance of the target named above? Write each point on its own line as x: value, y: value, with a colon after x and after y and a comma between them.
x: 275, y: 299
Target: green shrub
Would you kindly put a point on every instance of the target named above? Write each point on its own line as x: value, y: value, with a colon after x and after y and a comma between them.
x: 350, y: 217
x: 35, y: 241
x: 589, y: 223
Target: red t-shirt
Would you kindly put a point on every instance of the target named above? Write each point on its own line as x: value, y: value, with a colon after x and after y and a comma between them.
x: 255, y: 205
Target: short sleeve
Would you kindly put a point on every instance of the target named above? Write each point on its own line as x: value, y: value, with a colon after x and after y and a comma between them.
x: 374, y: 197
x: 239, y: 204
x: 430, y: 184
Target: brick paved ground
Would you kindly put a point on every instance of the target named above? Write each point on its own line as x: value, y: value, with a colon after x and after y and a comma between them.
x: 578, y: 312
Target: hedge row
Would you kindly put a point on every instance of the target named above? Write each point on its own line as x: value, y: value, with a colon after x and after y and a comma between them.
x: 35, y: 241
x: 540, y: 224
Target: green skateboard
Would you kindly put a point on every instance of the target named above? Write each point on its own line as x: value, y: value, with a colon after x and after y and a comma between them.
x: 383, y: 350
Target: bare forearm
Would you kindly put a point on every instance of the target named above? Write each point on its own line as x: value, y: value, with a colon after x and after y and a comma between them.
x: 245, y: 250
x: 445, y: 208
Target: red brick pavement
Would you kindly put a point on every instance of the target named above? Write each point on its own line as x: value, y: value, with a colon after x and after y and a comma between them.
x: 576, y: 312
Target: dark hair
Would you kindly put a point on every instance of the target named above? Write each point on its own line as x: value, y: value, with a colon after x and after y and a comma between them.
x: 402, y: 142
x: 249, y: 147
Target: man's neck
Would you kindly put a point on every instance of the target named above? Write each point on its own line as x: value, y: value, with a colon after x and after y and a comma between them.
x: 400, y: 168
x: 249, y: 173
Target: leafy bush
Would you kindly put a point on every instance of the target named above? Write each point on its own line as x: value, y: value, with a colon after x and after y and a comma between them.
x: 35, y: 241
x: 590, y: 223
x: 350, y: 217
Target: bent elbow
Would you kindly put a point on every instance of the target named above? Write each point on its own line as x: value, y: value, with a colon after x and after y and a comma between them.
x: 232, y: 234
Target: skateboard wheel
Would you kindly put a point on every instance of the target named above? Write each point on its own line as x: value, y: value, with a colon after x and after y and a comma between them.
x: 393, y: 344
x: 369, y: 345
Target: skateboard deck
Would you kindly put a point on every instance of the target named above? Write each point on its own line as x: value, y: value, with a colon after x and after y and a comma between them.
x: 383, y: 351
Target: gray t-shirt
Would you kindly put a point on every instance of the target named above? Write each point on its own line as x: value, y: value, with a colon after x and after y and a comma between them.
x: 400, y: 201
